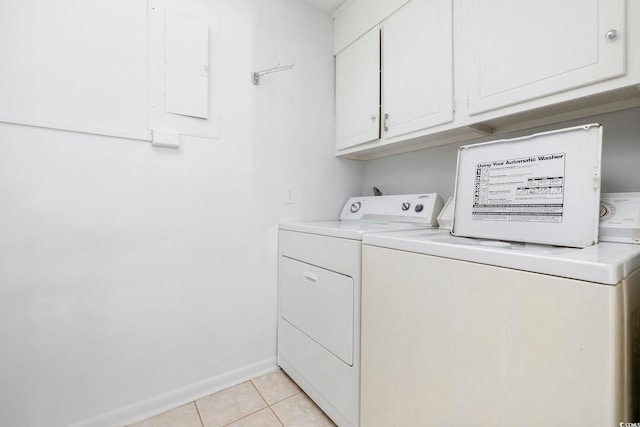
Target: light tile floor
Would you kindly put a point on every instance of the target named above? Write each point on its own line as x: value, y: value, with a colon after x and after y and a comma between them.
x: 272, y: 400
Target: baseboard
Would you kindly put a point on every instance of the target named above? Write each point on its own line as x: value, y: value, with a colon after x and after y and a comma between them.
x: 164, y: 402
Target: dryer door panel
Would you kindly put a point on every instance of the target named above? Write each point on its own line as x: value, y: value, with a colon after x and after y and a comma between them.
x: 320, y: 303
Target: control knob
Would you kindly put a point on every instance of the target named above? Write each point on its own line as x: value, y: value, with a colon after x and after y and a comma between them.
x: 355, y: 207
x: 406, y: 206
x: 419, y: 208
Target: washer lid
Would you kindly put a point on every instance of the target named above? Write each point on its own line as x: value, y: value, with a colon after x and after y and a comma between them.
x: 542, y: 188
x: 347, y: 229
x: 606, y: 263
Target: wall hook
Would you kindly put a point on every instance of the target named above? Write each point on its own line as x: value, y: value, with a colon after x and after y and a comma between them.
x: 255, y: 76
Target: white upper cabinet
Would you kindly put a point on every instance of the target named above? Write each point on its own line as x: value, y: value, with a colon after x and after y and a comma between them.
x: 458, y: 70
x: 358, y: 92
x: 522, y: 50
x: 417, y: 78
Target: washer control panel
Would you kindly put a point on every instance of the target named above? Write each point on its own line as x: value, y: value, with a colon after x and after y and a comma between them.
x: 422, y: 209
x: 620, y: 217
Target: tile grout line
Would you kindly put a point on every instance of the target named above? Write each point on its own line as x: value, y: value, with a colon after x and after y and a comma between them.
x: 244, y: 416
x: 269, y: 404
x: 281, y: 400
x: 277, y: 417
x: 288, y: 397
x: 284, y: 398
x: 254, y: 412
x: 199, y: 414
x: 258, y: 391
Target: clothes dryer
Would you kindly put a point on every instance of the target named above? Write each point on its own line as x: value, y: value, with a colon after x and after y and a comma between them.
x: 319, y: 296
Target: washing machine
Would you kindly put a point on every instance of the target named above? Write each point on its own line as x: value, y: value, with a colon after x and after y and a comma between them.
x: 319, y: 295
x: 469, y: 332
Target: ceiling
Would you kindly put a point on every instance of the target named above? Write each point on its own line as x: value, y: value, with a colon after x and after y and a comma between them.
x: 326, y: 5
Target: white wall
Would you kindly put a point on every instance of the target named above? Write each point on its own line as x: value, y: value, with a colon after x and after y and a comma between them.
x: 434, y: 169
x: 133, y: 277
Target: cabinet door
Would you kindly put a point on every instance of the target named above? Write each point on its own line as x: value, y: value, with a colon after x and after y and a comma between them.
x: 358, y: 92
x: 522, y: 50
x: 417, y: 74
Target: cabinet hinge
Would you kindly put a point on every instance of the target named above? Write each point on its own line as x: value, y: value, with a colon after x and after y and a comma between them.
x: 453, y: 106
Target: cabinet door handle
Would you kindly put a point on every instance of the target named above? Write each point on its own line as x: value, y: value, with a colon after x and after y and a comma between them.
x: 611, y: 34
x: 310, y: 277
x: 386, y: 118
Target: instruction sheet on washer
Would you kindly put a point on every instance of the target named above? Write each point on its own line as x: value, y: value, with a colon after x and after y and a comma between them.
x: 527, y: 189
